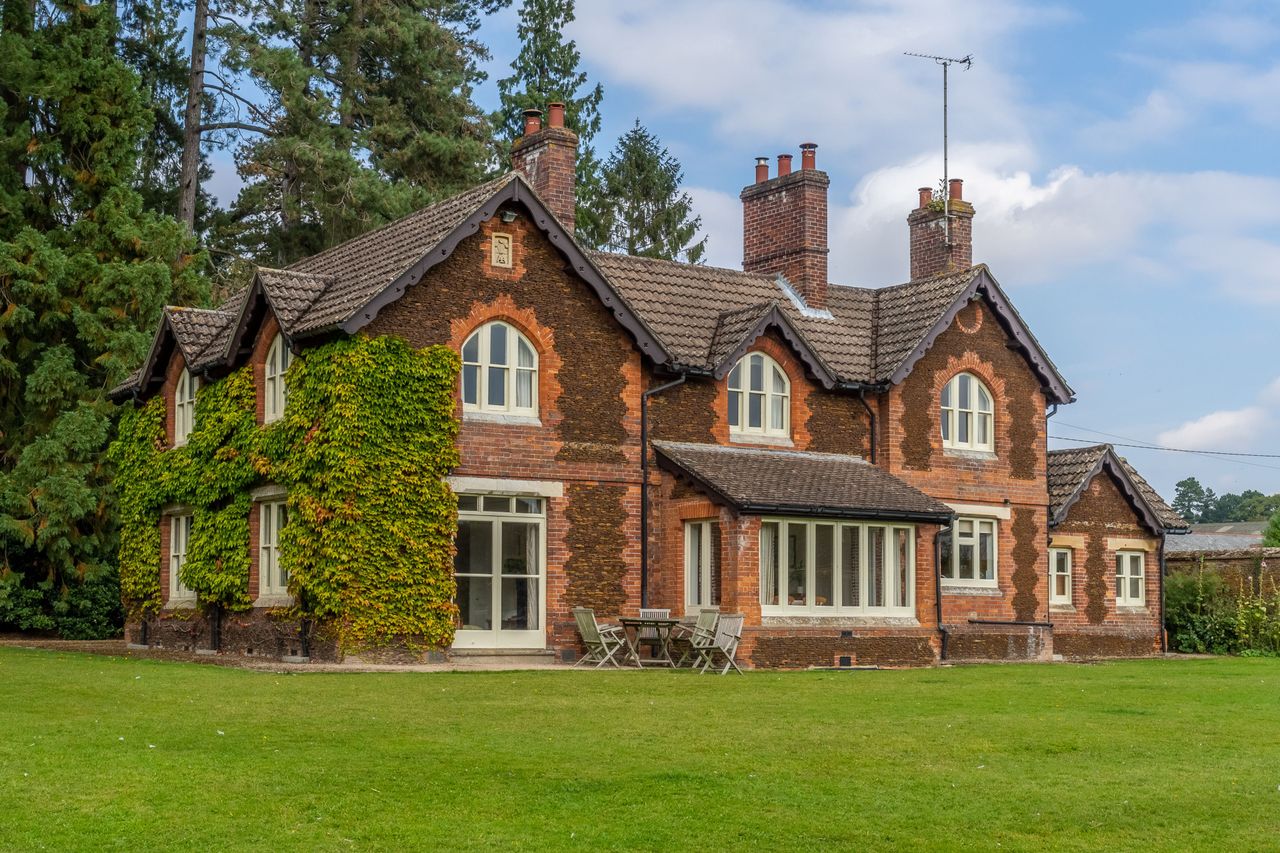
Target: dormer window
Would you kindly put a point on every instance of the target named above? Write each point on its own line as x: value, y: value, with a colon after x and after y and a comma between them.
x: 967, y: 414
x: 273, y: 389
x: 759, y: 398
x: 184, y: 407
x: 499, y: 372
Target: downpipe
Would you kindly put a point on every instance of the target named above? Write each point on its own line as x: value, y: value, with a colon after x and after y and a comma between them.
x: 644, y: 483
x: 943, y: 634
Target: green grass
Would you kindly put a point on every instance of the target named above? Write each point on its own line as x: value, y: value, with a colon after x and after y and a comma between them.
x: 109, y: 753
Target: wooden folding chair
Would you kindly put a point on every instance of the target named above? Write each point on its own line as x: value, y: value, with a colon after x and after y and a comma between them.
x: 603, y: 642
x: 724, y: 644
x: 701, y: 633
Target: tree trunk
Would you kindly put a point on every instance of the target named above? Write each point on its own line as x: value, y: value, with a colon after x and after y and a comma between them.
x: 189, y: 179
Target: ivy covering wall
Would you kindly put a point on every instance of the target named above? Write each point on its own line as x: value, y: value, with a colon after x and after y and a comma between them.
x: 368, y: 435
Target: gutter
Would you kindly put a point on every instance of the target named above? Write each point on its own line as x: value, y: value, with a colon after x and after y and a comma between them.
x: 843, y: 512
x: 644, y: 483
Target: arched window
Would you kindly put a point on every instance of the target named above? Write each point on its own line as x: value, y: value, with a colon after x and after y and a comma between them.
x: 759, y: 397
x: 499, y: 371
x: 184, y: 407
x: 967, y: 414
x: 278, y: 358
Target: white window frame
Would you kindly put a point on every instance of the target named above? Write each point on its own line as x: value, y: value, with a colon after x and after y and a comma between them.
x: 273, y: 579
x: 478, y: 372
x: 896, y: 591
x: 966, y: 532
x: 179, y: 540
x: 496, y: 508
x: 1060, y: 559
x: 773, y: 401
x: 967, y: 414
x: 275, y: 394
x: 184, y: 407
x: 701, y: 565
x: 1125, y: 574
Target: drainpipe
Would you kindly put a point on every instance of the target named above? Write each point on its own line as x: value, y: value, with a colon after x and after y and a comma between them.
x: 1048, y: 572
x: 644, y: 484
x: 937, y: 590
x: 871, y: 417
x: 1164, y: 636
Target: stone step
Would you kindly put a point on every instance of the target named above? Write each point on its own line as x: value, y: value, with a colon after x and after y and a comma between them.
x: 457, y: 654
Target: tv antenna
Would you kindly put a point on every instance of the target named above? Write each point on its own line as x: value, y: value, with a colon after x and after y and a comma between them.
x: 946, y: 62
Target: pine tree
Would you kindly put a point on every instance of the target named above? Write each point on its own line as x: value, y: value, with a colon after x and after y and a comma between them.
x: 1188, y: 498
x: 368, y: 115
x: 84, y: 273
x: 644, y: 212
x: 546, y: 71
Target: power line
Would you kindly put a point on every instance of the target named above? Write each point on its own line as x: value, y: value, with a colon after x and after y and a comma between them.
x: 1221, y: 455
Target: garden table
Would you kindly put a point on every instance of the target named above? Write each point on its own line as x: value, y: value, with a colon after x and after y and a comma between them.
x: 632, y: 626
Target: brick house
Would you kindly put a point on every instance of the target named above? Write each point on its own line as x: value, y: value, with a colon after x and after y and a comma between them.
x: 863, y: 472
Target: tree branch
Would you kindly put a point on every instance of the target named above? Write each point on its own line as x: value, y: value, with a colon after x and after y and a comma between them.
x: 235, y: 125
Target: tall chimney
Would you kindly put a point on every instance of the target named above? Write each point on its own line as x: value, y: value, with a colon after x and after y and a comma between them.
x: 784, y: 225
x: 547, y: 157
x: 930, y: 252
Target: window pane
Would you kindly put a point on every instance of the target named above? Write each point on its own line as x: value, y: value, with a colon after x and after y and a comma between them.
x: 946, y: 425
x: 493, y: 503
x: 946, y: 394
x: 735, y: 408
x: 497, y: 344
x: 471, y: 349
x: 966, y: 527
x: 1060, y: 586
x: 693, y: 564
x: 531, y: 505
x: 475, y: 548
x: 468, y: 502
x: 779, y: 381
x: 497, y: 391
x: 875, y: 566
x: 519, y: 548
x: 470, y: 384
x: 965, y: 552
x: 902, y: 552
x: 964, y: 391
x: 755, y: 411
x: 524, y: 354
x: 769, y: 563
x: 962, y: 427
x: 524, y: 389
x: 735, y: 376
x: 984, y: 429
x: 797, y: 564
x: 777, y: 412
x: 824, y: 565
x: 944, y: 547
x: 520, y: 604
x: 713, y: 561
x: 850, y: 567
x: 986, y: 554
x: 1135, y: 589
x: 475, y: 603
x: 757, y: 373
x: 984, y: 400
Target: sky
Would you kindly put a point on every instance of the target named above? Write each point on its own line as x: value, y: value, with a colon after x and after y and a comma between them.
x: 1121, y: 158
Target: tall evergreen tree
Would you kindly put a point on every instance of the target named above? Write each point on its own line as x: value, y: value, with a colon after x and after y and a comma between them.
x: 84, y: 273
x: 368, y: 114
x: 546, y: 71
x: 1188, y: 498
x: 643, y: 211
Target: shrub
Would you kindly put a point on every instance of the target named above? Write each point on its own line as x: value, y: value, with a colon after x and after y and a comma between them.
x: 1203, y: 615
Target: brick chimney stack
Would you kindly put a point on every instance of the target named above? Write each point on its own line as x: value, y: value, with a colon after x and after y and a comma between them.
x: 930, y: 254
x: 548, y: 157
x: 784, y: 224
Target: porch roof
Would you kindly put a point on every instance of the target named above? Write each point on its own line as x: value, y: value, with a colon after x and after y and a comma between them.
x: 788, y: 482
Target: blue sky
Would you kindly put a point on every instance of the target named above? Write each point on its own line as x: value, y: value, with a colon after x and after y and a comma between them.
x: 1121, y: 158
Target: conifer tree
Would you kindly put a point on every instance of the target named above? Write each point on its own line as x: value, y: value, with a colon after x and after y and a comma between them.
x: 84, y: 273
x: 546, y: 71
x: 643, y: 210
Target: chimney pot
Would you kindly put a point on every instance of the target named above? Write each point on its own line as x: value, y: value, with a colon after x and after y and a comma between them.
x: 762, y: 169
x: 784, y: 165
x: 555, y: 116
x: 808, y: 155
x: 532, y: 121
x: 926, y: 196
x: 956, y: 189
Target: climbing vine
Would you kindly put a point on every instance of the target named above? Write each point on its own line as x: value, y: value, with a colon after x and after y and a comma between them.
x: 366, y: 440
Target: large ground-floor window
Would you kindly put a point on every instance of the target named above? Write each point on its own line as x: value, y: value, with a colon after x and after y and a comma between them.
x: 701, y: 565
x: 499, y: 569
x: 828, y: 568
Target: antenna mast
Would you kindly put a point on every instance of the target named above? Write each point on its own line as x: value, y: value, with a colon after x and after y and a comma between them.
x: 946, y: 62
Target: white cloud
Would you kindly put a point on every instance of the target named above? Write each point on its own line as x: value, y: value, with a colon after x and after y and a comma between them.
x: 1234, y: 429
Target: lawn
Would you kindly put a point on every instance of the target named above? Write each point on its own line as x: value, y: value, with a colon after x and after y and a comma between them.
x: 111, y: 753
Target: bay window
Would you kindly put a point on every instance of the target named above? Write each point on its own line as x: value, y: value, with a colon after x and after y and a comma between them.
x: 836, y: 567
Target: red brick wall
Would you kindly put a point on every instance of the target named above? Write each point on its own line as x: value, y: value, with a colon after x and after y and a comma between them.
x: 548, y: 159
x: 266, y: 335
x: 784, y: 230
x: 930, y: 254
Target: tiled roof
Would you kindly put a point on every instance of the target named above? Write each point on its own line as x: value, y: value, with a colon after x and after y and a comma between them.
x: 196, y: 330
x: 1069, y: 470
x: 1212, y: 542
x: 795, y: 483
x: 906, y: 312
x: 292, y: 293
x: 732, y: 326
x: 361, y: 268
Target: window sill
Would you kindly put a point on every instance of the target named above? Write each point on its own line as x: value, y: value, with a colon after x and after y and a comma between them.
x: 961, y: 589
x: 285, y: 600
x: 497, y: 418
x: 180, y: 604
x: 976, y: 455
x: 1062, y: 608
x: 752, y: 438
x: 838, y: 620
x: 1132, y: 608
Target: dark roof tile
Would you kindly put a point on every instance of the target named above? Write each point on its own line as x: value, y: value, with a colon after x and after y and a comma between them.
x: 1070, y: 468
